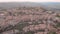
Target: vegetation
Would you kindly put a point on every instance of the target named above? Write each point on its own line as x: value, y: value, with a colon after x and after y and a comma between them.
x: 51, y: 32
x: 30, y: 32
x: 58, y: 25
x: 58, y: 15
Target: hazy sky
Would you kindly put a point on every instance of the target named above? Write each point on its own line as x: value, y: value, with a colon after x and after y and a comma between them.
x: 29, y: 0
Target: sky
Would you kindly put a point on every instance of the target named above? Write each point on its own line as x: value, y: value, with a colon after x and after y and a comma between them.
x: 29, y: 0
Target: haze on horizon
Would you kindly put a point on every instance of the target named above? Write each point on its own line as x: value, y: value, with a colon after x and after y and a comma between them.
x: 29, y: 0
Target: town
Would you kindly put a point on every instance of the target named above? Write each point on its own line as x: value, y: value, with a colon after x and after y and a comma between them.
x: 29, y: 20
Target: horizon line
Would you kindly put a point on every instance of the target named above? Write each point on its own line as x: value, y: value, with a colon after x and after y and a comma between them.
x: 32, y: 2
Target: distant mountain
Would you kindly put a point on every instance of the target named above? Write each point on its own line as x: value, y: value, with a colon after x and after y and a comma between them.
x: 18, y: 4
x: 51, y: 5
x: 46, y: 5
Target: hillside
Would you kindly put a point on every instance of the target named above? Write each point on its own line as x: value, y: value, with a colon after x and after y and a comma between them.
x: 29, y: 20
